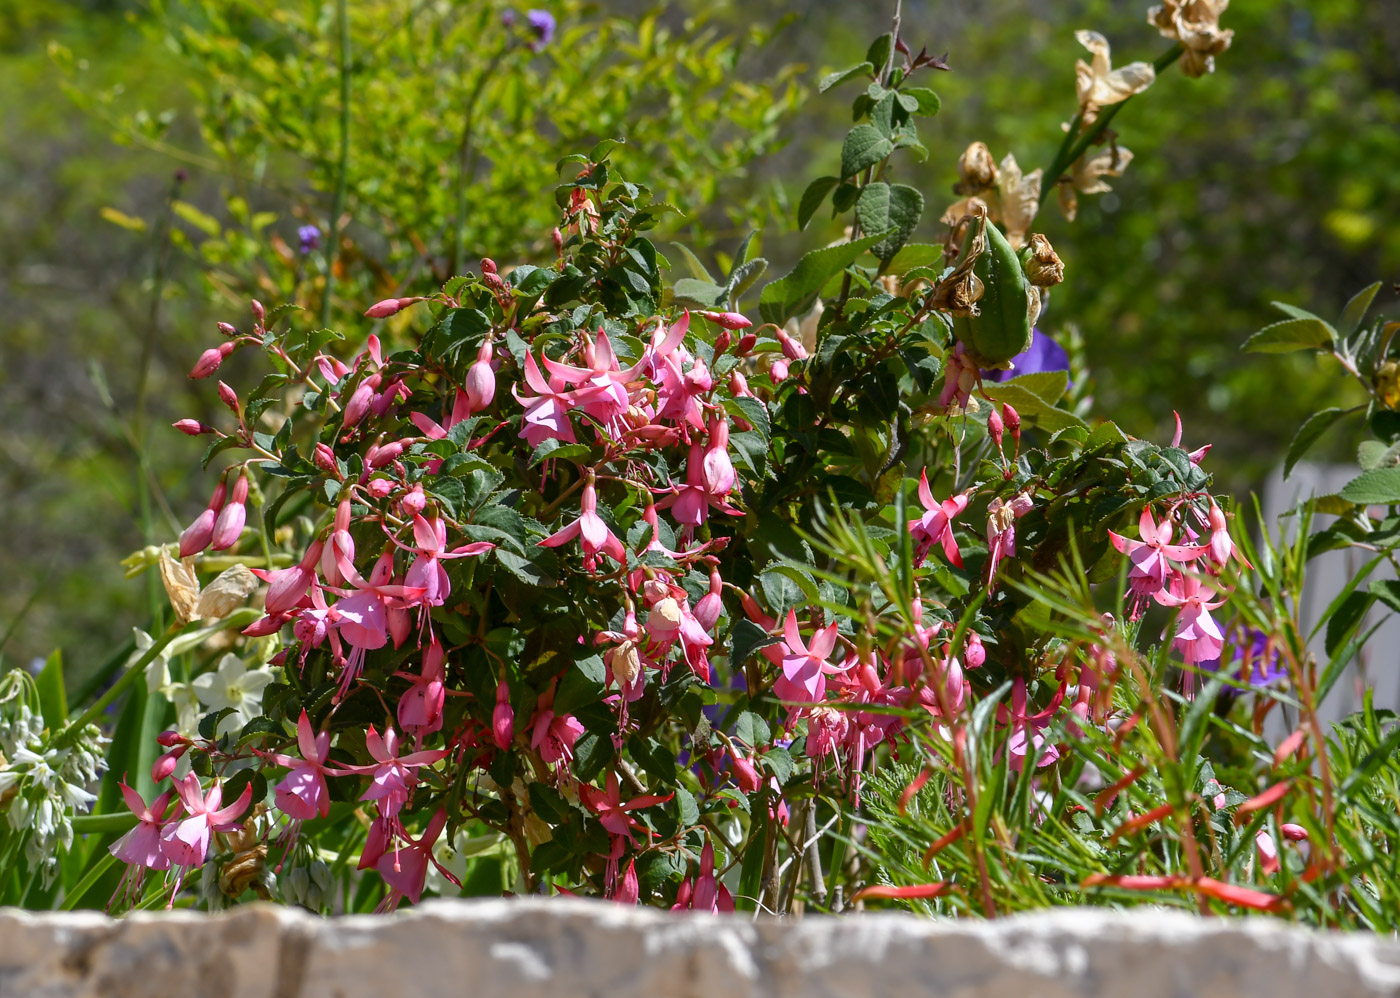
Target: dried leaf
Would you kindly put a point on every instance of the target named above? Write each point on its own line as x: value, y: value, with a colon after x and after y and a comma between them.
x: 181, y: 585
x: 226, y: 593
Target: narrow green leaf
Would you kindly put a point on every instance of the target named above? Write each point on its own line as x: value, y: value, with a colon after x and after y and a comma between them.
x: 842, y: 75
x: 1356, y: 309
x: 1317, y: 424
x: 53, y: 701
x: 693, y: 264
x: 1308, y: 333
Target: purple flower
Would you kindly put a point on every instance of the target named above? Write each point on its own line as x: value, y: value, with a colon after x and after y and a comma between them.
x: 1256, y: 657
x: 541, y: 26
x: 1044, y: 355
x: 310, y: 237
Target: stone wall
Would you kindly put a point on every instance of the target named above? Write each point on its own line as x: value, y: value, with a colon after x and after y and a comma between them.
x: 580, y: 949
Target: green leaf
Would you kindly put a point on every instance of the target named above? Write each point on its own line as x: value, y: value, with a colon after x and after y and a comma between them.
x: 881, y: 207
x: 1388, y: 592
x: 1308, y: 333
x: 929, y: 102
x: 754, y: 411
x: 842, y: 75
x: 604, y: 147
x: 813, y: 197
x: 879, y: 52
x: 552, y: 448
x: 693, y: 264
x: 1356, y: 309
x: 1024, y: 395
x: 204, y: 223
x: 787, y: 296
x: 698, y: 294
x: 1379, y: 487
x: 53, y: 701
x: 687, y: 810
x: 746, y: 639
x: 580, y: 686
x: 1317, y: 424
x: 864, y: 146
x: 592, y: 752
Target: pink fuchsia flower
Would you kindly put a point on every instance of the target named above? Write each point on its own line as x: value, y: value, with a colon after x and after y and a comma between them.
x: 591, y: 528
x: 303, y: 794
x: 420, y: 708
x: 601, y: 386
x: 229, y: 524
x: 406, y: 870
x: 1149, y: 556
x: 1222, y: 548
x: 554, y: 736
x: 1026, y: 741
x: 502, y: 718
x: 392, y: 775
x: 430, y: 546
x: 936, y: 525
x: 960, y: 376
x: 690, y: 503
x: 1198, y: 636
x: 627, y: 890
x: 706, y: 893
x: 186, y: 842
x: 547, y: 411
x: 718, y: 468
x: 729, y: 320
x: 612, y: 813
x: 1001, y: 531
x: 481, y: 381
x: 197, y: 535
x: 1195, y: 456
x: 287, y: 587
x: 363, y: 617
x: 805, y: 667
x: 141, y: 847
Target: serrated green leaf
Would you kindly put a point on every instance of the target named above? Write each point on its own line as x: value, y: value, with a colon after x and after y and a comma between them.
x: 883, y: 207
x: 746, y: 639
x: 698, y: 294
x: 1388, y: 592
x: 864, y: 146
x: 753, y: 411
x: 842, y: 75
x: 1308, y: 434
x: 1308, y: 333
x: 813, y: 197
x: 1378, y: 487
x: 787, y: 296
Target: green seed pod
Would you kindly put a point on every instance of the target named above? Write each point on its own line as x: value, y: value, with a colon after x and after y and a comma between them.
x: 1002, y: 326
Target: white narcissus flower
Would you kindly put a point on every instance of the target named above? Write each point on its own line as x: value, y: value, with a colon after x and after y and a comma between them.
x: 233, y: 685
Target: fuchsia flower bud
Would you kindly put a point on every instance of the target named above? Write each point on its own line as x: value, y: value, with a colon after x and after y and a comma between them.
x: 729, y: 320
x: 708, y: 609
x: 229, y: 526
x: 481, y: 380
x: 227, y: 329
x: 379, y: 488
x: 360, y: 400
x: 325, y: 460
x: 779, y: 371
x: 628, y: 890
x: 792, y: 348
x: 166, y: 762
x: 488, y: 266
x: 746, y: 343
x: 722, y: 341
x: 414, y: 501
x: 994, y: 427
x: 389, y: 306
x: 259, y: 316
x: 1012, y: 419
x: 199, y: 533
x: 698, y: 379
x: 228, y: 397
x: 169, y: 739
x: 503, y: 718
x: 191, y: 427
x: 746, y: 774
x: 210, y: 360
x: 739, y: 385
x: 383, y: 455
x: 973, y: 652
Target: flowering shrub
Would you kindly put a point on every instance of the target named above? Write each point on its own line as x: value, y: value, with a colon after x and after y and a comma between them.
x: 575, y: 581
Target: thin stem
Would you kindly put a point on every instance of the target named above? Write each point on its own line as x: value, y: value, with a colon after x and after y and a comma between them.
x: 343, y: 169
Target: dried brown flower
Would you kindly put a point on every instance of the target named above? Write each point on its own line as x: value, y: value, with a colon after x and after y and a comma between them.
x: 1098, y: 84
x: 1044, y: 269
x: 1196, y: 25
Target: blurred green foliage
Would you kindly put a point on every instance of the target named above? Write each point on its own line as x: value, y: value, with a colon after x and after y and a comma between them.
x: 1272, y: 178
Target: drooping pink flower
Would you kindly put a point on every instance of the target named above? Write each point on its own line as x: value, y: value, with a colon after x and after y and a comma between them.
x: 936, y: 524
x: 406, y: 870
x: 420, y: 708
x: 392, y: 776
x: 303, y: 793
x: 805, y: 666
x: 612, y: 812
x: 141, y: 846
x: 1001, y: 531
x: 961, y: 375
x: 1026, y: 742
x: 1198, y: 636
x: 502, y: 718
x: 547, y: 411
x: 1222, y: 548
x: 430, y: 547
x: 719, y: 469
x: 481, y: 380
x: 690, y: 503
x: 1149, y: 556
x: 601, y: 386
x: 363, y: 615
x: 705, y: 893
x: 197, y: 535
x: 554, y: 736
x: 186, y: 842
x: 590, y: 527
x: 287, y: 587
